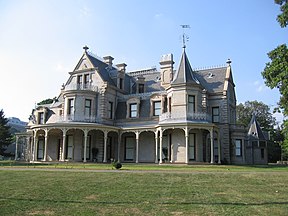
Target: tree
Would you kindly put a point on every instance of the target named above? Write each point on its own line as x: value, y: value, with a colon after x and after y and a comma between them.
x: 275, y: 72
x: 47, y: 101
x: 261, y: 111
x: 5, y: 135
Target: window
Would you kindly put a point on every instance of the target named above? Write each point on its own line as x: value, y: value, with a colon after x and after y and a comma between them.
x: 129, y: 148
x: 86, y: 79
x: 79, y: 80
x: 238, y: 147
x: 110, y: 110
x: 140, y: 88
x: 40, y: 154
x: 192, y: 149
x: 156, y: 108
x: 87, y: 107
x: 191, y: 103
x: 262, y: 153
x: 69, y: 145
x: 70, y: 110
x: 215, y: 114
x: 41, y: 118
x: 169, y: 104
x: 133, y: 110
x: 120, y: 83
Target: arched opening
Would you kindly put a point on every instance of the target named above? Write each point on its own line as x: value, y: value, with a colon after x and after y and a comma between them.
x: 147, y: 147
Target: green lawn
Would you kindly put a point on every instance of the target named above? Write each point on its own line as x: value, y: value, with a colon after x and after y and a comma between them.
x: 198, y: 190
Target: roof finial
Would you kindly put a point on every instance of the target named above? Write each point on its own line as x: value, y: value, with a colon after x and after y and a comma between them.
x: 228, y: 62
x: 85, y: 48
x: 185, y: 37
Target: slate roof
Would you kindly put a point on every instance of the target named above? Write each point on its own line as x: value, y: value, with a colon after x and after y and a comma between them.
x: 212, y: 79
x: 102, y: 68
x: 254, y: 130
x: 184, y: 74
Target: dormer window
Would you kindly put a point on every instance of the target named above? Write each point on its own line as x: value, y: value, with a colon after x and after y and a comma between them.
x: 156, y: 108
x: 140, y: 88
x: 121, y: 84
x: 133, y: 110
x: 133, y: 105
x: 41, y: 118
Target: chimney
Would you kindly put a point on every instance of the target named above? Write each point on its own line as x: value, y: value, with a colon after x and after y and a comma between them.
x: 166, y: 68
x: 108, y: 60
x: 121, y: 67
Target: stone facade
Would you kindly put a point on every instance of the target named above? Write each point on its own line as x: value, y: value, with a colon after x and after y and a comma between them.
x: 104, y: 112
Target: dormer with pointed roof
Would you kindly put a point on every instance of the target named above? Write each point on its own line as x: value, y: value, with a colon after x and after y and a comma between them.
x: 185, y: 74
x: 254, y: 130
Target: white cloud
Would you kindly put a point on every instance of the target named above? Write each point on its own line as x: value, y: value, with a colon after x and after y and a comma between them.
x: 158, y: 16
x: 85, y: 12
x: 260, y: 86
x: 61, y: 68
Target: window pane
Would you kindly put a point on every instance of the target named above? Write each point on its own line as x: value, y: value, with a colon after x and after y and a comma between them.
x: 133, y: 110
x: 215, y: 114
x: 191, y: 103
x: 157, y: 108
x: 238, y: 147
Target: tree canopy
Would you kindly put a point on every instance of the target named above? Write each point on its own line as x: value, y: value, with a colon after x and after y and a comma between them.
x: 47, y: 101
x: 275, y: 72
x: 5, y: 135
x: 262, y: 112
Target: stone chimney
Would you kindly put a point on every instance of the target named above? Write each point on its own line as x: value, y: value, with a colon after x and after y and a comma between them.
x: 108, y: 60
x: 166, y: 68
x: 121, y: 67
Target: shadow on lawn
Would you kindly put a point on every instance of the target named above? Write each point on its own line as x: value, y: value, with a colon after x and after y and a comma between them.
x: 131, y: 202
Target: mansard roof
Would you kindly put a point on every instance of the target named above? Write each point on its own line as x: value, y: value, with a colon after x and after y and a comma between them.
x: 255, y: 131
x: 184, y: 74
x: 212, y: 79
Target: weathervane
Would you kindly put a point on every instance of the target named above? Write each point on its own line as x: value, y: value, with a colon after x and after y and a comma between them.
x: 185, y: 37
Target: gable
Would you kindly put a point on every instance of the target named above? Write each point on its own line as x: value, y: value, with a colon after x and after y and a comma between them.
x: 84, y: 63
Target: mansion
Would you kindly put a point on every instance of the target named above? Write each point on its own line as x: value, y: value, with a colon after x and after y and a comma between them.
x: 171, y: 115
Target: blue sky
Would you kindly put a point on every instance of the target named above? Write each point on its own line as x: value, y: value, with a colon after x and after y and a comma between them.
x: 41, y: 41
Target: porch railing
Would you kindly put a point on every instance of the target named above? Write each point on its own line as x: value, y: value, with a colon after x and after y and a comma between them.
x: 199, y: 116
x: 78, y: 118
x: 87, y: 86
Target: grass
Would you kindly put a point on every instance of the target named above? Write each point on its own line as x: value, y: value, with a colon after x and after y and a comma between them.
x: 210, y: 190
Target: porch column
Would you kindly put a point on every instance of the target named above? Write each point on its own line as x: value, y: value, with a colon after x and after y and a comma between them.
x: 35, y: 147
x: 161, y: 144
x: 212, y: 145
x: 64, y: 144
x: 16, y: 147
x: 187, y: 145
x: 27, y: 150
x: 85, y: 145
x: 119, y: 145
x: 156, y: 146
x: 137, y: 146
x: 219, y: 147
x: 45, y: 146
x: 105, y: 146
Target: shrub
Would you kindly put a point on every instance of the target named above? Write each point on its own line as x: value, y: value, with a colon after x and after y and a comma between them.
x: 116, y: 164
